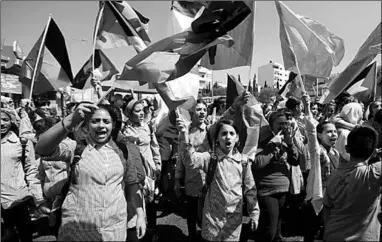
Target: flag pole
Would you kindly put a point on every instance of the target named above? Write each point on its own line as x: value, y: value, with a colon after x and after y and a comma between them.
x: 38, y: 56
x: 212, y: 84
x: 375, y: 83
x: 253, y: 42
x: 100, y: 12
x: 317, y: 87
x: 300, y: 79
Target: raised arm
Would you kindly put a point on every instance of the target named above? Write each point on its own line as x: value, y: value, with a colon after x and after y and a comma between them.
x: 49, y: 141
x: 188, y: 153
x: 310, y: 129
x: 341, y: 123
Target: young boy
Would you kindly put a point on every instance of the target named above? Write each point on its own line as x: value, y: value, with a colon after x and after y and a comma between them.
x: 352, y: 197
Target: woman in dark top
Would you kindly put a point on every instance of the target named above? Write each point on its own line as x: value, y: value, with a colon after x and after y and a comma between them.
x: 271, y: 172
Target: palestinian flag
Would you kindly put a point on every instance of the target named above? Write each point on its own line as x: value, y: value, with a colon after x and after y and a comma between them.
x: 102, y: 63
x: 53, y: 66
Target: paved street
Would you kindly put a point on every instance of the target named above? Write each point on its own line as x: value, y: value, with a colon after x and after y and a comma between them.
x: 171, y: 226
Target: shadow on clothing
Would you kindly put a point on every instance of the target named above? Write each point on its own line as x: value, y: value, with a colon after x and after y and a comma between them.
x: 69, y: 234
x: 170, y: 233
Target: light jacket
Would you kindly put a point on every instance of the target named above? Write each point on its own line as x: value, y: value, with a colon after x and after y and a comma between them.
x: 18, y: 183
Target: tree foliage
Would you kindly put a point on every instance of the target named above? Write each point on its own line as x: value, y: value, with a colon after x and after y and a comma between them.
x: 266, y: 94
x: 217, y: 91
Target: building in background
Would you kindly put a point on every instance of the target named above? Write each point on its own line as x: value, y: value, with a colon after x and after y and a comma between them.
x: 272, y: 75
x: 11, y: 61
x: 205, y: 77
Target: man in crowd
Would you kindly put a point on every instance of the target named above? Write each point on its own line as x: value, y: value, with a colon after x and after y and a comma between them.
x: 351, y: 202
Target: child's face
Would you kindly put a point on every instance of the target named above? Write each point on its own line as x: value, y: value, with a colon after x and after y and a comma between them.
x: 200, y: 113
x: 227, y: 138
x: 329, y: 135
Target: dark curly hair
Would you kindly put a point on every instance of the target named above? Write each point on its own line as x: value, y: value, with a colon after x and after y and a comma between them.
x: 116, y: 117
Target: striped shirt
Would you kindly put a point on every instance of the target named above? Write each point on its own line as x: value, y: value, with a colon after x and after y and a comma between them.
x: 14, y: 188
x: 95, y: 206
x: 142, y: 136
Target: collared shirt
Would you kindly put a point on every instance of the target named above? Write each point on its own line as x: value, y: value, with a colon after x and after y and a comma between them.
x: 14, y: 188
x: 222, y: 213
x: 141, y: 135
x: 353, y: 198
x: 95, y: 207
x: 194, y: 179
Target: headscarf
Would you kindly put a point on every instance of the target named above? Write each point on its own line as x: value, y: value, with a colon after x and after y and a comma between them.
x: 11, y: 114
x: 130, y: 105
x: 352, y: 113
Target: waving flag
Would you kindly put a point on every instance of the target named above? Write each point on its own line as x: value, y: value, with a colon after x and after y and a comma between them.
x: 253, y: 127
x: 121, y: 26
x: 366, y: 54
x: 53, y: 66
x: 182, y: 14
x: 364, y: 86
x: 175, y: 56
x: 290, y: 87
x: 180, y: 91
x: 234, y: 87
x: 240, y: 54
x: 102, y: 63
x: 308, y: 45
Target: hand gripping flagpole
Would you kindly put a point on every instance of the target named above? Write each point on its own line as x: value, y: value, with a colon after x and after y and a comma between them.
x: 99, y: 16
x: 38, y: 56
x: 300, y: 79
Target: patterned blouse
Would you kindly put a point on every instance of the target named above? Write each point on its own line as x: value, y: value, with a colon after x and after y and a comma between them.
x: 142, y: 136
x: 95, y: 207
x: 18, y: 182
x: 222, y: 212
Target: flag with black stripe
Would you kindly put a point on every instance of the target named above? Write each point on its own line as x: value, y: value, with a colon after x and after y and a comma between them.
x: 54, y: 70
x: 120, y: 26
x: 365, y: 84
x: 234, y: 87
x: 102, y: 63
x: 289, y: 86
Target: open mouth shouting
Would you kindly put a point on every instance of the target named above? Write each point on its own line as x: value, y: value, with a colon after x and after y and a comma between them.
x: 101, y: 135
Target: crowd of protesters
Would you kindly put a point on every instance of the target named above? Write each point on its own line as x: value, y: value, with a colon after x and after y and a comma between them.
x: 97, y: 172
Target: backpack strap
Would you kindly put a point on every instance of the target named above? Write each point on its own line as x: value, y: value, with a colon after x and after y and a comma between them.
x: 81, y: 145
x: 23, y: 142
x: 210, y: 173
x: 131, y: 153
x: 244, y: 164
